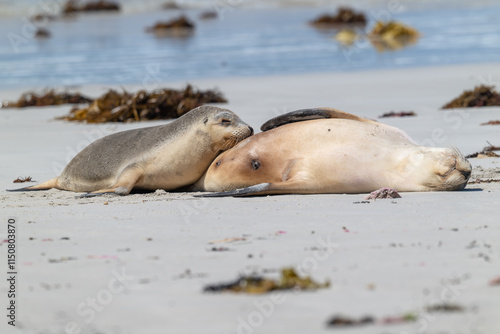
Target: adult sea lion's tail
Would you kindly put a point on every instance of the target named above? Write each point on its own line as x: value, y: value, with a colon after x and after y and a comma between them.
x: 42, y: 186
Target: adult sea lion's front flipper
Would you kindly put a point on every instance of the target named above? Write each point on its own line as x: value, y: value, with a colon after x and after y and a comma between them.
x: 279, y: 188
x: 309, y: 114
x: 252, y: 190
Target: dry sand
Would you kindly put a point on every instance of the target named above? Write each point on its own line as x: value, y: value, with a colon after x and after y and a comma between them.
x: 138, y: 264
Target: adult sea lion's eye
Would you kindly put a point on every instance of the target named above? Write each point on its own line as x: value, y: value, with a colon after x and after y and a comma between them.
x: 255, y: 164
x: 225, y: 122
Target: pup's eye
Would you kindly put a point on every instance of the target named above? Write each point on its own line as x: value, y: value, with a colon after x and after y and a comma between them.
x: 225, y: 122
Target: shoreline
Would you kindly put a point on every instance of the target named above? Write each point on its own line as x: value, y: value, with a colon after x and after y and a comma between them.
x: 7, y: 11
x: 480, y: 74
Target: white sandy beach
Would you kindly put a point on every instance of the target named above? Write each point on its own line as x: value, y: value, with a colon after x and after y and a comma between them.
x: 383, y: 259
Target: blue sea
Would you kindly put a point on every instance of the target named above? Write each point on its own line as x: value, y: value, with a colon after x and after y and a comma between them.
x: 266, y: 38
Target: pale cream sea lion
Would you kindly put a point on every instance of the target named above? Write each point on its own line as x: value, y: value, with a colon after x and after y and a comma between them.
x: 326, y: 150
x: 161, y: 157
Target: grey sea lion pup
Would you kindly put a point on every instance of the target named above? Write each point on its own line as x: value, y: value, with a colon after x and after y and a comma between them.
x: 160, y: 157
x: 326, y: 150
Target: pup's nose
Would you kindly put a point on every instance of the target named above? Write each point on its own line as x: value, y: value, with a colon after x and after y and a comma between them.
x: 251, y: 130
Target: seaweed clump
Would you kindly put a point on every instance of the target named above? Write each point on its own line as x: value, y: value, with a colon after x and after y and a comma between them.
x: 345, y: 16
x: 487, y: 152
x: 23, y: 179
x: 171, y: 5
x: 209, y: 15
x: 398, y: 114
x: 43, y: 17
x: 180, y: 27
x: 495, y: 281
x: 72, y: 6
x: 258, y: 285
x: 481, y: 96
x: 342, y: 321
x: 392, y: 36
x: 404, y: 318
x: 49, y: 98
x: 496, y: 122
x: 445, y: 307
x: 42, y: 33
x: 382, y: 194
x: 159, y: 104
x: 348, y: 36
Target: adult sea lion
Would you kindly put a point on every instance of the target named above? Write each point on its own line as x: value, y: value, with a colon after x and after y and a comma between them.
x: 325, y: 150
x: 159, y: 157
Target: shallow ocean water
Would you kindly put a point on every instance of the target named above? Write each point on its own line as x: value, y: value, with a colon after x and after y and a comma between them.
x: 115, y: 49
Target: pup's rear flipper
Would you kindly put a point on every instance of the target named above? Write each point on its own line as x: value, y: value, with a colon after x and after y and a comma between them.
x: 123, y: 186
x: 42, y: 186
x: 258, y: 189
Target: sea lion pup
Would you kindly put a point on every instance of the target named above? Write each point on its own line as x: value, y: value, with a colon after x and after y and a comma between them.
x: 326, y: 150
x: 166, y: 157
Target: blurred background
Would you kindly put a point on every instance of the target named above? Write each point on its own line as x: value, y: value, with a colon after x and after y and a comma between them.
x: 41, y: 47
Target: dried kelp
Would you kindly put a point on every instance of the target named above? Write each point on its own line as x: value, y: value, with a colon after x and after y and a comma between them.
x: 171, y: 5
x: 398, y: 114
x: 388, y: 36
x: 259, y: 285
x: 342, y: 321
x: 23, y: 179
x: 48, y: 98
x: 347, y: 37
x: 42, y: 33
x: 477, y: 181
x: 445, y: 307
x: 487, y: 155
x: 382, y: 194
x: 345, y: 16
x: 407, y: 317
x: 491, y: 147
x: 481, y: 96
x: 488, y: 151
x: 43, y: 17
x: 72, y: 6
x: 208, y: 15
x: 497, y: 122
x: 179, y: 27
x: 159, y: 104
